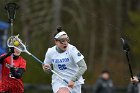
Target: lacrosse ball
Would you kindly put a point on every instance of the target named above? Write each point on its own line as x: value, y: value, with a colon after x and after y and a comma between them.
x: 16, y: 43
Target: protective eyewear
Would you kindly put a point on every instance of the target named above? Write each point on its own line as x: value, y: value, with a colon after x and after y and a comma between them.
x: 63, y: 40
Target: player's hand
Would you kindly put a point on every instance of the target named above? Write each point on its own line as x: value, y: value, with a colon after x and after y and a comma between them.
x: 46, y: 67
x: 11, y: 50
x: 134, y: 80
x: 12, y: 68
x: 71, y: 84
x: 12, y: 72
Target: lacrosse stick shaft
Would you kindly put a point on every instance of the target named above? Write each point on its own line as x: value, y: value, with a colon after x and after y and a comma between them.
x: 130, y: 69
x: 37, y: 59
x: 59, y: 76
x: 11, y: 59
x: 11, y: 27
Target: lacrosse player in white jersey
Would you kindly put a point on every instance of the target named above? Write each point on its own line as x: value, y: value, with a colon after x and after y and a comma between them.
x: 68, y: 62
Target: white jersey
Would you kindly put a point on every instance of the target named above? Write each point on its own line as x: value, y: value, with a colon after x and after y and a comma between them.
x: 65, y: 64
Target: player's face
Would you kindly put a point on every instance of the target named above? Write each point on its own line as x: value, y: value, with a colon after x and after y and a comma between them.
x: 105, y: 76
x: 62, y: 42
x: 16, y: 52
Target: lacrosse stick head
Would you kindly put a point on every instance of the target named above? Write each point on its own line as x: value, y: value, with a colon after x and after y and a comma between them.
x: 11, y: 9
x: 125, y: 45
x: 15, y: 41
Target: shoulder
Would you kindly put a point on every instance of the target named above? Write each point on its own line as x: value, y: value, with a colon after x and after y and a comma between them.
x: 51, y: 50
x: 99, y: 79
x: 71, y: 47
x: 22, y: 59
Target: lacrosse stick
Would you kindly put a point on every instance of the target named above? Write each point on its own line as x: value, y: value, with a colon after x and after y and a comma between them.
x: 127, y: 51
x: 15, y: 42
x: 11, y: 10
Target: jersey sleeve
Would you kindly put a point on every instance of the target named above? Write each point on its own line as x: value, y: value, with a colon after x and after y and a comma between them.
x: 76, y: 55
x: 47, y: 59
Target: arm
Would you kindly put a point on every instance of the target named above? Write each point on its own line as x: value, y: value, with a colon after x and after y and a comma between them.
x: 11, y: 50
x: 82, y: 68
x: 4, y: 56
x: 17, y: 72
x: 47, y: 62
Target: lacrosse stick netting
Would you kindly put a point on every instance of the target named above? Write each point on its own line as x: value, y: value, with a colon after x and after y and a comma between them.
x: 20, y: 46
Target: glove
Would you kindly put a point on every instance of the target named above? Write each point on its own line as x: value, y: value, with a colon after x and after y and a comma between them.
x: 11, y: 50
x: 16, y: 72
x: 12, y: 72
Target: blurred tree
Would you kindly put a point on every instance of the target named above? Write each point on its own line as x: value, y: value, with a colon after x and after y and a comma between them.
x: 135, y: 5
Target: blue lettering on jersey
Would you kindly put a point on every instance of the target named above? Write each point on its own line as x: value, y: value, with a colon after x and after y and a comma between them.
x: 60, y: 60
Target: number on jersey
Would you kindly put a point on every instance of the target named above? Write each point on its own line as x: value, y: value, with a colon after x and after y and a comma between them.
x: 62, y: 66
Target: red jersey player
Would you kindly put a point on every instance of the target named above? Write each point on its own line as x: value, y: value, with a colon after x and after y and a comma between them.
x: 11, y: 76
